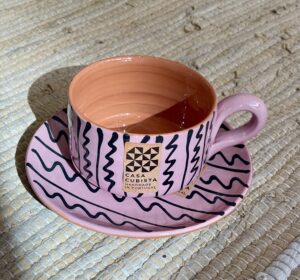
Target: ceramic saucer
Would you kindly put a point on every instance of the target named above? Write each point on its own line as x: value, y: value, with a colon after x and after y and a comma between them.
x: 221, y: 188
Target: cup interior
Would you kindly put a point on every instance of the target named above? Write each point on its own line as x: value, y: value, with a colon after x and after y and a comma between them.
x: 141, y: 95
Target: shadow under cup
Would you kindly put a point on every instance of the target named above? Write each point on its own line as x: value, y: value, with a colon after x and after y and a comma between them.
x: 141, y: 95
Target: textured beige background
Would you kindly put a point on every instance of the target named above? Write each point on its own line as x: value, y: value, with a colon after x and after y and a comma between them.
x: 249, y: 46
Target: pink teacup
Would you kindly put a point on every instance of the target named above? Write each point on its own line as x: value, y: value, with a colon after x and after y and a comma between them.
x: 142, y: 125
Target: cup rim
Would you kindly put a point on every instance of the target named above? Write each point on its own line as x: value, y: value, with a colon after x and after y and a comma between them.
x: 129, y: 57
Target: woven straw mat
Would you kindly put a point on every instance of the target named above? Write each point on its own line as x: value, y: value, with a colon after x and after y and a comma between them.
x: 240, y: 46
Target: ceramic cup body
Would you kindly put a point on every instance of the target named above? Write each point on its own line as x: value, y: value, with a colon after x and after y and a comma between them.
x: 145, y: 126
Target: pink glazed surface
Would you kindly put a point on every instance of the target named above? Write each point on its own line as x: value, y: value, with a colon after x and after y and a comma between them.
x: 98, y: 154
x: 57, y: 184
x: 151, y: 86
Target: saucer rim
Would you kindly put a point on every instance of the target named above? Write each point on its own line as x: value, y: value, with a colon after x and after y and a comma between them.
x: 132, y: 233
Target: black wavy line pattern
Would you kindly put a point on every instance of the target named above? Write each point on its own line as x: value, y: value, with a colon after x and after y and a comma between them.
x: 221, y: 213
x: 159, y: 139
x: 196, y: 157
x: 94, y: 204
x: 118, y: 198
x: 126, y: 138
x: 59, y: 120
x: 194, y: 192
x: 240, y: 146
x: 227, y: 187
x: 67, y: 177
x: 86, y: 151
x: 93, y: 216
x: 209, y: 137
x: 231, y: 161
x: 145, y: 139
x: 218, y: 193
x: 228, y: 169
x: 187, y: 150
x: 198, y: 189
x: 68, y: 116
x: 110, y: 161
x: 77, y: 144
x: 204, y: 144
x: 168, y: 172
x: 100, y: 140
x: 50, y: 149
x: 148, y: 209
x: 61, y: 133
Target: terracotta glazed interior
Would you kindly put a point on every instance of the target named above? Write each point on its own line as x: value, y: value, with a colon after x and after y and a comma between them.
x: 141, y: 95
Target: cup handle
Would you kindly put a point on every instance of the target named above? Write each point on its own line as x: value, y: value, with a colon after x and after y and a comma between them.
x: 233, y: 104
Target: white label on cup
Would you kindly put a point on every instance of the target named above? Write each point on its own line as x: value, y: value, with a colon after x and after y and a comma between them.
x: 141, y: 167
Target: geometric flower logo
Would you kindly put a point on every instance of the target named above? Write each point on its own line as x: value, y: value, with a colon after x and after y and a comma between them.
x: 142, y: 159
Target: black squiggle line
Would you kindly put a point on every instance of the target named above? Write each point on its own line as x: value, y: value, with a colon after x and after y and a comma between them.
x: 117, y: 198
x: 191, y: 195
x: 159, y: 139
x: 145, y: 139
x: 230, y: 161
x: 50, y: 149
x: 218, y: 193
x: 59, y: 120
x: 72, y: 135
x: 168, y: 172
x: 61, y: 133
x: 93, y: 216
x: 204, y: 144
x: 240, y: 146
x: 110, y: 161
x: 86, y: 151
x: 188, y: 140
x: 100, y: 140
x: 55, y: 163
x: 209, y: 137
x: 78, y: 133
x: 94, y: 204
x: 126, y: 138
x: 220, y: 213
x: 196, y: 157
x: 149, y: 208
x: 228, y: 169
x: 69, y: 129
x: 67, y: 177
x: 227, y: 187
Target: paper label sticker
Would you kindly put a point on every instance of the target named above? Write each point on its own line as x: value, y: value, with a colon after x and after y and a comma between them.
x: 141, y: 167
